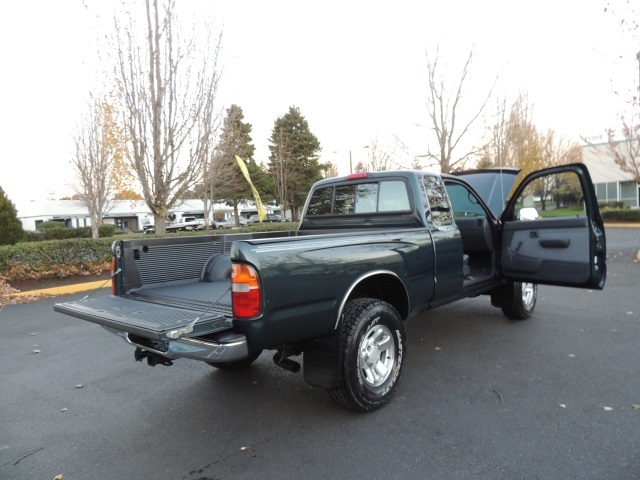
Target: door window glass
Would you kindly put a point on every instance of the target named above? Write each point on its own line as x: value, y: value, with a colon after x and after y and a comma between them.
x: 551, y: 196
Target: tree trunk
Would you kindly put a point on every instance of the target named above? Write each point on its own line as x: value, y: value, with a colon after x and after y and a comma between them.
x: 159, y: 223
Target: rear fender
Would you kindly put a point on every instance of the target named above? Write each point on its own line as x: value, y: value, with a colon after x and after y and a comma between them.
x: 381, y: 284
x: 323, y: 356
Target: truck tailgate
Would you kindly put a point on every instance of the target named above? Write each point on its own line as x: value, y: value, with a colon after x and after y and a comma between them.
x: 150, y: 320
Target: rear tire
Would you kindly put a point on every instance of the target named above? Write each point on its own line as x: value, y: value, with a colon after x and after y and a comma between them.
x: 520, y: 300
x: 372, y: 341
x: 237, y: 365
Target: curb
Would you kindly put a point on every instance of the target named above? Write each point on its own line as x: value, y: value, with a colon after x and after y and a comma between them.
x: 64, y: 290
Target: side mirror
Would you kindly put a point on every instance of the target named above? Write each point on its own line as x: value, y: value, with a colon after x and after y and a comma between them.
x: 528, y: 213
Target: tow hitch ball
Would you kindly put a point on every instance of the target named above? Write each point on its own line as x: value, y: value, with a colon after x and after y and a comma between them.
x: 152, y: 358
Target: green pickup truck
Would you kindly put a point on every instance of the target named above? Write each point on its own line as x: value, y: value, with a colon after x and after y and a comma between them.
x: 372, y: 250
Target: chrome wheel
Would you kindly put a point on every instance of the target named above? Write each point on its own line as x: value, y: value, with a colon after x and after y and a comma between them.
x: 529, y: 292
x: 517, y: 299
x: 377, y: 355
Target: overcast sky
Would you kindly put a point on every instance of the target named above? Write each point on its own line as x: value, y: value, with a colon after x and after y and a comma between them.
x: 355, y: 69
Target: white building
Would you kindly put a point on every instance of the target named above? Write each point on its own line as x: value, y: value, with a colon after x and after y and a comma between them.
x: 612, y: 184
x: 126, y: 214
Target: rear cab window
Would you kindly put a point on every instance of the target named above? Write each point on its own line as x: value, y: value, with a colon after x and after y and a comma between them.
x: 382, y: 196
x: 370, y: 202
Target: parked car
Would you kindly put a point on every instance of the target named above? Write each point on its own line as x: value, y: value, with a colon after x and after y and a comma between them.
x: 185, y: 224
x: 269, y: 218
x: 231, y: 222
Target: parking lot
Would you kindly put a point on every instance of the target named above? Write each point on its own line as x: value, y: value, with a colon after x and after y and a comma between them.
x: 553, y: 397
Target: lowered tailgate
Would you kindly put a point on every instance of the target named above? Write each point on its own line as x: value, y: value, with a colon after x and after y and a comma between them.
x: 144, y: 318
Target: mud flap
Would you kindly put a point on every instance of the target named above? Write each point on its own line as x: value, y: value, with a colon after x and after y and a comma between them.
x: 322, y: 359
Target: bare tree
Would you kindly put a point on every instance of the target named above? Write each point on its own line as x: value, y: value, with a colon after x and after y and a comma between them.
x: 496, y: 151
x: 168, y: 86
x: 442, y: 106
x: 412, y: 160
x: 626, y: 13
x: 556, y: 150
x: 626, y: 151
x: 380, y: 159
x: 514, y: 140
x: 523, y: 145
x: 96, y: 150
x: 330, y: 170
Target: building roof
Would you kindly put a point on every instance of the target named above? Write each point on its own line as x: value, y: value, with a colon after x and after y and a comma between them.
x: 119, y: 208
x: 601, y: 163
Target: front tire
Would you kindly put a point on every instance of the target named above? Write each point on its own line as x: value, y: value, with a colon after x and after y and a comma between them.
x: 373, y: 347
x: 520, y: 301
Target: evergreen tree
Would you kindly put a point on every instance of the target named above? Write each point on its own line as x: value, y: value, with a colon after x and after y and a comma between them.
x: 11, y: 230
x: 293, y: 163
x: 226, y: 180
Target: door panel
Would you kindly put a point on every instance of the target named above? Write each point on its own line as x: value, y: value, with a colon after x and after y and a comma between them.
x: 547, y: 251
x: 565, y: 244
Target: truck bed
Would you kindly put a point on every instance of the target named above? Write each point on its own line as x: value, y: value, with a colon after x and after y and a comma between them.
x: 168, y: 283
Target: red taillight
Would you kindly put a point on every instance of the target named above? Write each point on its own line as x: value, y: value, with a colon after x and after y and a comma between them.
x: 114, y: 288
x: 245, y: 291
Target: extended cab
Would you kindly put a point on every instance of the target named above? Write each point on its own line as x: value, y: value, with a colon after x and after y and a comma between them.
x: 372, y: 250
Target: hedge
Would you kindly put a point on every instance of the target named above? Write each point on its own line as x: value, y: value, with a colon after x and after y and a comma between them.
x: 62, y: 233
x: 54, y: 258
x: 611, y: 205
x: 84, y: 256
x: 626, y: 215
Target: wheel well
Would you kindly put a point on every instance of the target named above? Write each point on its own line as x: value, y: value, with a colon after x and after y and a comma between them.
x: 385, y: 287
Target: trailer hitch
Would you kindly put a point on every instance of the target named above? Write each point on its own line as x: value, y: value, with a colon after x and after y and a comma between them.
x: 153, y: 359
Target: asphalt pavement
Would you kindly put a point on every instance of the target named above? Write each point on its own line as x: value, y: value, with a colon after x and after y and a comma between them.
x: 553, y: 397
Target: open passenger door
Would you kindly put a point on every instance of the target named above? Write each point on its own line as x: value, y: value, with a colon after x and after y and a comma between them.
x: 552, y: 232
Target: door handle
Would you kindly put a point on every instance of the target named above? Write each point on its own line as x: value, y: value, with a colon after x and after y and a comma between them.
x: 555, y: 243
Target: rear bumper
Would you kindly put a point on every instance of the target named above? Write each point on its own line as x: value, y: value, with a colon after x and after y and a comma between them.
x: 221, y: 348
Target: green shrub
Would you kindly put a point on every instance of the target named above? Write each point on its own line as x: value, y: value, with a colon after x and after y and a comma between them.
x: 626, y: 215
x: 614, y: 205
x: 51, y: 225
x: 264, y: 227
x: 59, y: 233
x: 53, y: 258
x: 106, y: 230
x: 10, y: 226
